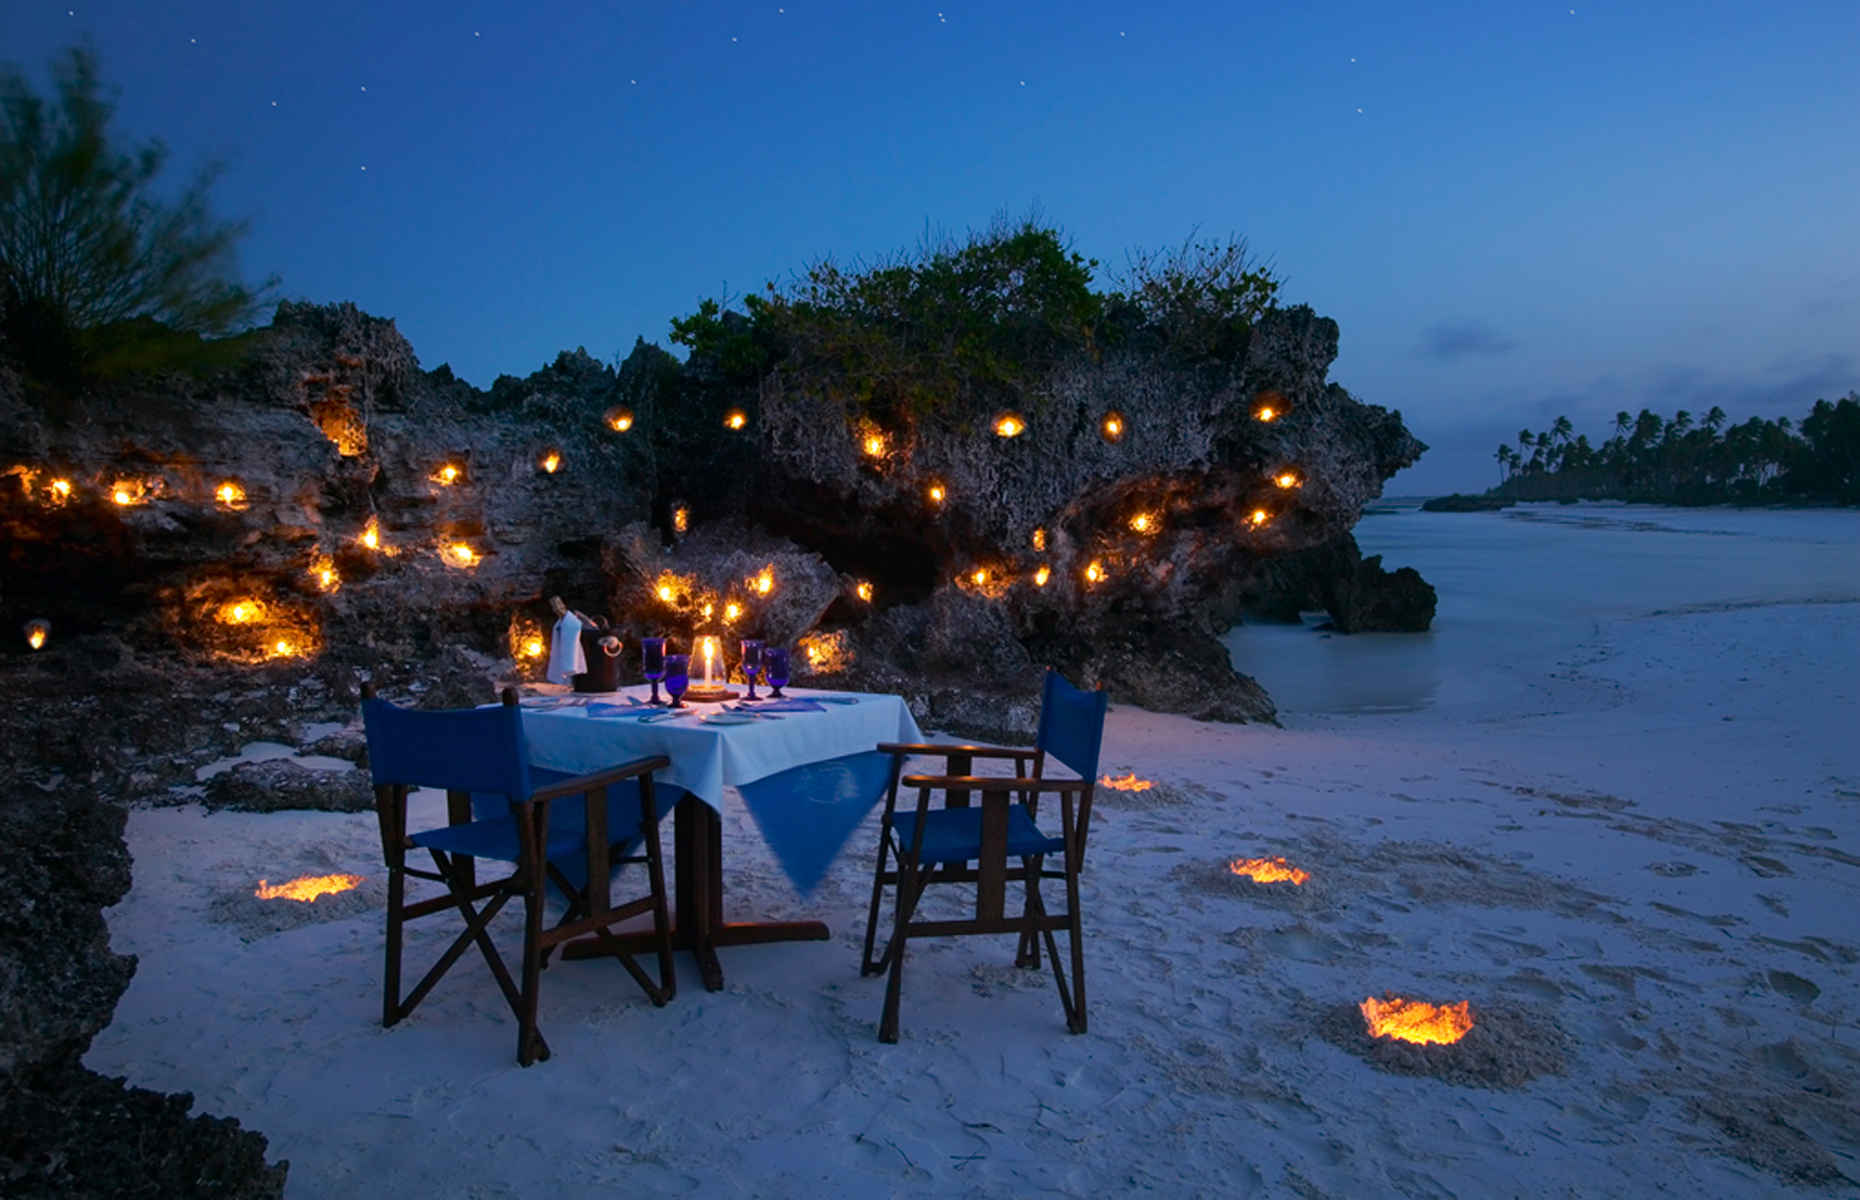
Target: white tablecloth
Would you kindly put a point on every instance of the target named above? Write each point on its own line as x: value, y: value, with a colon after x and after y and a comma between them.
x: 708, y: 758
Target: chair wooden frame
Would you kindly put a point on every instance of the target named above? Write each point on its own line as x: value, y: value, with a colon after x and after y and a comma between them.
x: 991, y: 873
x: 591, y: 910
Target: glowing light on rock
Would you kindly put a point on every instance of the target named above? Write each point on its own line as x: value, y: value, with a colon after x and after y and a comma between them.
x: 873, y: 445
x: 1112, y: 427
x: 665, y: 592
x: 230, y: 494
x: 1094, y: 572
x: 937, y: 494
x: 979, y: 576
x: 1258, y: 518
x: 1416, y: 1020
x: 1145, y: 523
x: 681, y: 519
x: 459, y: 554
x: 38, y: 631
x: 1286, y: 480
x: 1042, y: 575
x: 863, y: 590
x: 282, y: 648
x: 129, y: 492
x: 1009, y: 425
x: 61, y: 488
x: 534, y: 648
x: 764, y: 581
x: 371, y: 534
x: 323, y: 570
x: 307, y: 888
x: 550, y: 462
x: 241, y: 612
x: 735, y: 419
x: 620, y: 420
x: 826, y: 653
x: 1266, y: 412
x: 447, y: 475
x: 1269, y: 870
x: 732, y: 610
x: 1039, y: 539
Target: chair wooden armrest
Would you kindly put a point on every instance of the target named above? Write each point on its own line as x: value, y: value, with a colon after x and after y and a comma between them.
x: 956, y: 748
x: 995, y: 783
x: 598, y: 779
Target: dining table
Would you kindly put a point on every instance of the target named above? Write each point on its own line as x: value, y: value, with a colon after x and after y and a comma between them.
x: 806, y: 766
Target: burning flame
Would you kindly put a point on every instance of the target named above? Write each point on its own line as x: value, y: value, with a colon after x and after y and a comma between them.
x: 937, y: 494
x: 1113, y: 427
x: 1127, y: 783
x: 241, y: 612
x: 458, y: 554
x: 764, y: 582
x: 620, y: 420
x: 708, y: 609
x: 1145, y: 523
x: 665, y: 592
x: 323, y: 570
x: 1266, y: 412
x: 1009, y: 425
x: 37, y: 630
x: 736, y: 419
x: 446, y: 475
x: 282, y: 648
x: 371, y: 534
x: 1286, y: 479
x: 1042, y: 575
x: 1258, y: 517
x: 1039, y: 539
x: 827, y: 652
x: 1416, y: 1020
x: 863, y: 590
x: 979, y: 576
x: 61, y: 488
x: 127, y: 492
x: 550, y: 462
x: 1269, y: 870
x: 307, y: 887
x: 681, y: 519
x: 533, y: 648
x: 1094, y: 572
x: 732, y: 610
x: 874, y: 445
x: 230, y: 494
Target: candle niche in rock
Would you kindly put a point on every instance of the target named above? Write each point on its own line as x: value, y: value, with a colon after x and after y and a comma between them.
x: 710, y: 688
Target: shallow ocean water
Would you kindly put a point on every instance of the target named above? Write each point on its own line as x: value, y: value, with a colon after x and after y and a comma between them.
x: 1524, y: 592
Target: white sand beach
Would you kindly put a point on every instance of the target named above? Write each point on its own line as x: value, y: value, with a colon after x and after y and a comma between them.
x: 1613, y: 801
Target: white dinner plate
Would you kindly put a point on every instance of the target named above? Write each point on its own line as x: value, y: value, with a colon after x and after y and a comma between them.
x: 727, y: 718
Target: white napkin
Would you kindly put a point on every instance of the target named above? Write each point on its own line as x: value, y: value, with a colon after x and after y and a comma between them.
x: 566, y: 659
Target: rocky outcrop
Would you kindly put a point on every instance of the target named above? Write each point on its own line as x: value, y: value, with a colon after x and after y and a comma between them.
x: 330, y: 505
x: 1461, y: 502
x: 64, y: 1130
x: 1359, y: 595
x: 281, y: 784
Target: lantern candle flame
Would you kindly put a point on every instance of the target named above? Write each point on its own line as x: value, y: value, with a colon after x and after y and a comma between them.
x: 863, y: 590
x: 550, y: 462
x: 1286, y: 479
x: 1266, y: 412
x: 1112, y: 427
x: 874, y: 445
x: 681, y: 519
x: 1009, y: 425
x: 447, y: 475
x: 736, y: 419
x: 37, y: 631
x: 1258, y: 518
x: 1039, y: 539
x: 230, y: 494
x: 1094, y: 572
x: 937, y: 494
x: 459, y: 554
x: 1144, y: 523
x: 764, y: 582
x: 1042, y: 575
x: 620, y: 420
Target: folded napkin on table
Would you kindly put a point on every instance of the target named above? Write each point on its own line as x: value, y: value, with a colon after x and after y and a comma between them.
x: 785, y: 704
x: 635, y: 709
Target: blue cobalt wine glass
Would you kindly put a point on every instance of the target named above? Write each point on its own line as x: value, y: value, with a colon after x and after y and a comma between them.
x: 775, y: 663
x: 752, y: 667
x: 677, y: 677
x: 652, y: 653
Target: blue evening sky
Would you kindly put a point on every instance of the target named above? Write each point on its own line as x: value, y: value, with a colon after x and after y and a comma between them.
x: 1512, y: 209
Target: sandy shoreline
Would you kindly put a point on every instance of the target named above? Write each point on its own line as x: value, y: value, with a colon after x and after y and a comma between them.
x: 1665, y: 879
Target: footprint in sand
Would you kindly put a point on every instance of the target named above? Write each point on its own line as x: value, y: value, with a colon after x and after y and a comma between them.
x: 1768, y: 868
x: 1673, y: 870
x: 1798, y: 989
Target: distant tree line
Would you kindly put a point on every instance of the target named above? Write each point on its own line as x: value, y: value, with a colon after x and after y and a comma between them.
x: 1687, y: 461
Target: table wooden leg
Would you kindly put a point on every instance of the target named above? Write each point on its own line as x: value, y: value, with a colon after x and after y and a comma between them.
x: 697, y: 902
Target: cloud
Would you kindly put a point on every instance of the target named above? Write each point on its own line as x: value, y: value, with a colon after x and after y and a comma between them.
x: 1449, y: 340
